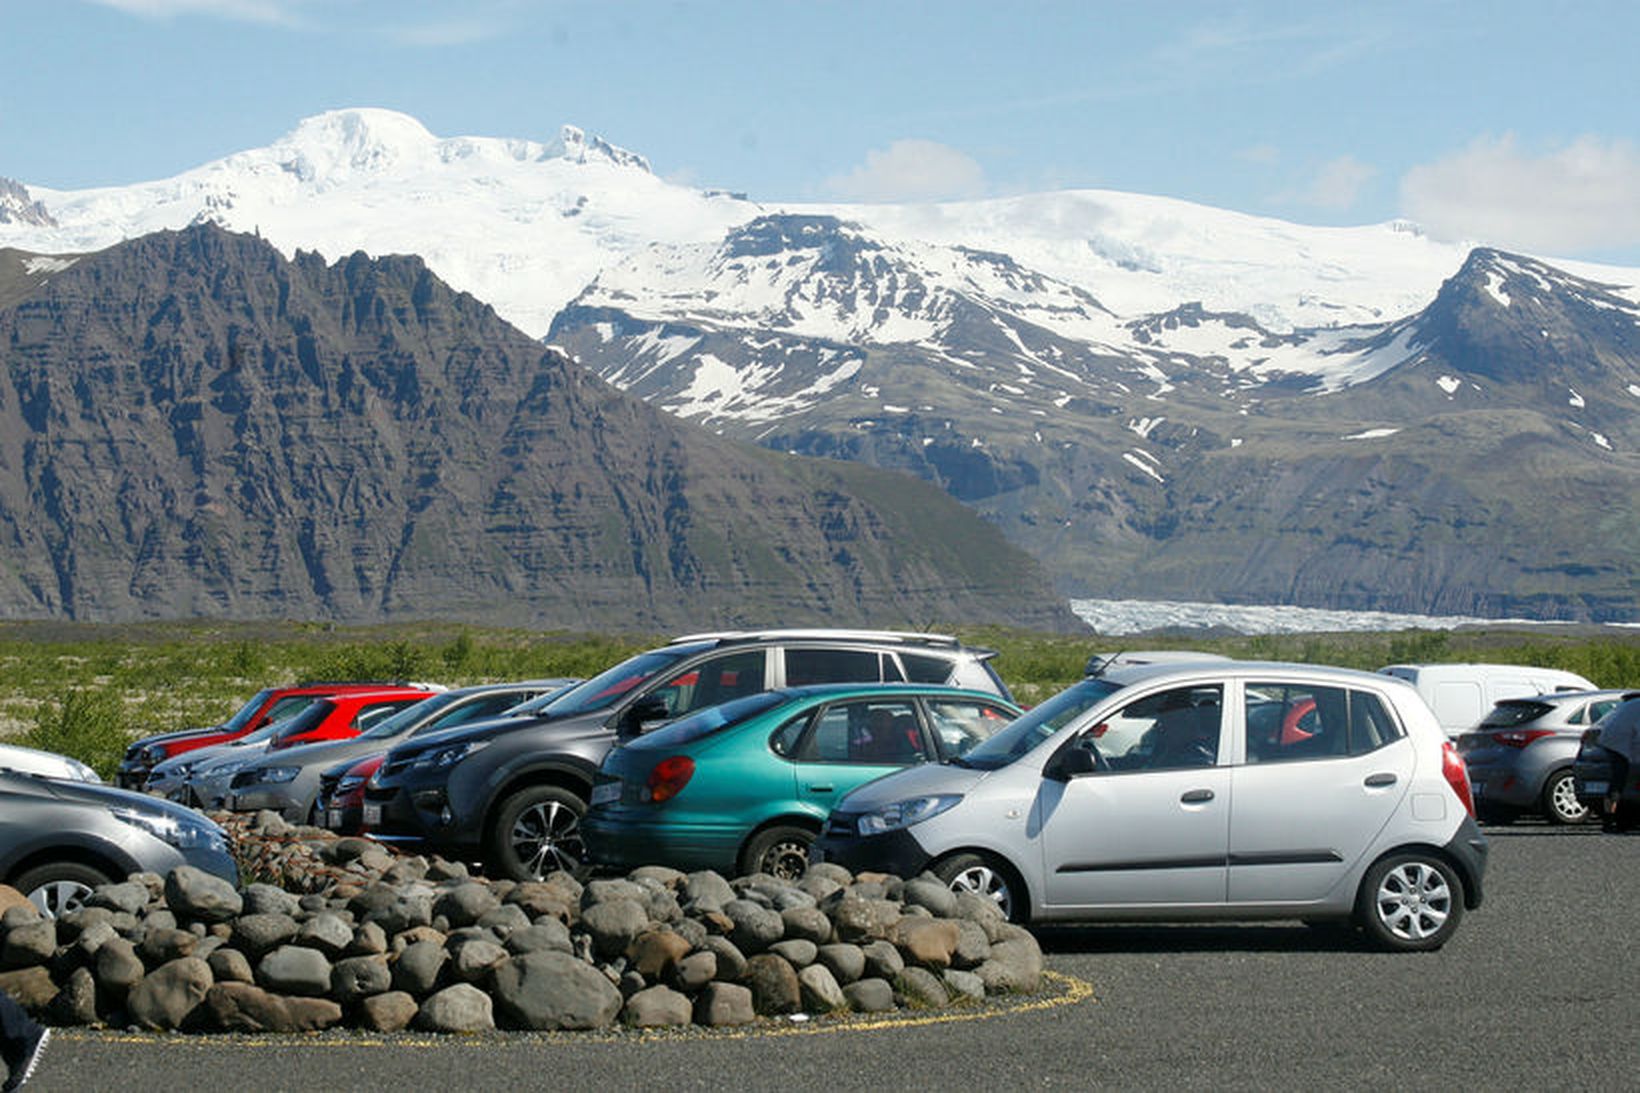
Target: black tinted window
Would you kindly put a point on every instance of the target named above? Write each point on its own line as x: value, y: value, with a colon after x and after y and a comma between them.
x: 1371, y: 725
x: 921, y: 668
x: 806, y: 666
x: 873, y: 732
x: 1507, y: 714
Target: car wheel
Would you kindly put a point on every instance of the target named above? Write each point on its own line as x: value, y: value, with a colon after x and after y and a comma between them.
x: 537, y: 831
x: 1410, y: 902
x: 781, y: 851
x: 60, y: 887
x: 1560, y: 801
x: 984, y: 876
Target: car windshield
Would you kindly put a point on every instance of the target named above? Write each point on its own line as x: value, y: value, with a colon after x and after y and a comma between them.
x: 247, y: 711
x: 302, y: 722
x: 607, y: 688
x: 404, y: 720
x: 1037, y: 724
x: 710, y: 720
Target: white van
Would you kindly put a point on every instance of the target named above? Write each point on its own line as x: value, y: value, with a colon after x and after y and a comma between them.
x: 1462, y: 694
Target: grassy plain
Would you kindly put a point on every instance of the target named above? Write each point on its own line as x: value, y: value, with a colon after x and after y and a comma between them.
x: 86, y: 690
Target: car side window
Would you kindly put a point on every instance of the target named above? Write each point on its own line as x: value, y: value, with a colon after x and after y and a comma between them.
x: 476, y: 710
x: 959, y: 724
x: 1166, y: 731
x: 1296, y: 722
x: 1371, y: 725
x: 1600, y: 709
x: 713, y: 682
x: 806, y: 666
x: 875, y: 732
x: 921, y: 668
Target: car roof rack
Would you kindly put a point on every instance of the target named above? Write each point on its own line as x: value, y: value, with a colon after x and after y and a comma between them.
x: 1100, y: 663
x: 900, y: 637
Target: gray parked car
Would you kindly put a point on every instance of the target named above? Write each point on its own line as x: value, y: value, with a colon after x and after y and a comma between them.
x: 288, y: 781
x: 1231, y: 790
x: 60, y: 839
x: 1520, y: 756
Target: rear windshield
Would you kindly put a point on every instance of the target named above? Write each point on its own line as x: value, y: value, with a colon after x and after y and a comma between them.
x: 711, y: 719
x: 1507, y: 714
x: 1037, y: 724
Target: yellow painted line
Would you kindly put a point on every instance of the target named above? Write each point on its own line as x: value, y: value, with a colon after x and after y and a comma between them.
x: 1070, y: 992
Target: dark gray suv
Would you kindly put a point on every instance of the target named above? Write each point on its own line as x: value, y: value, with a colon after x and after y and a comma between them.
x: 512, y: 796
x: 60, y: 839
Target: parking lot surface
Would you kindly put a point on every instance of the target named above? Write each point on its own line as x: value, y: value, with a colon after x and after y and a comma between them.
x: 1537, y: 989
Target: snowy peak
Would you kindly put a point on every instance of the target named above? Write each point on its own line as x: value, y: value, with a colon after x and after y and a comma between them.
x: 17, y: 207
x: 574, y: 145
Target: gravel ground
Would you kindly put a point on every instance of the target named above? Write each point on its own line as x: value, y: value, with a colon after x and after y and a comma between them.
x: 1529, y: 993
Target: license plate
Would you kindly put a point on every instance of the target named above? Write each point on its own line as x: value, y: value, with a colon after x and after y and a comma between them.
x: 333, y: 818
x: 372, y: 815
x: 1595, y: 789
x: 1478, y: 788
x: 606, y: 793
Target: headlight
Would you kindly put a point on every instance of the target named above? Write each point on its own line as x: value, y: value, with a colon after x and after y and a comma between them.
x: 180, y: 770
x: 450, y: 756
x: 347, y: 785
x: 276, y: 774
x: 182, y: 834
x: 905, y: 813
x: 152, y: 754
x: 83, y: 772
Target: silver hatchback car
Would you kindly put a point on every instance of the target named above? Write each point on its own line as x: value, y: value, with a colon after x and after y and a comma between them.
x: 1520, y: 756
x: 1229, y: 790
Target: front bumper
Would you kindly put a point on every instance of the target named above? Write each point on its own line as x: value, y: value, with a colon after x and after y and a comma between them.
x: 274, y: 796
x: 894, y: 852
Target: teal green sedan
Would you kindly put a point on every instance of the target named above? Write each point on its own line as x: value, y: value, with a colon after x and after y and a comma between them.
x: 745, y: 787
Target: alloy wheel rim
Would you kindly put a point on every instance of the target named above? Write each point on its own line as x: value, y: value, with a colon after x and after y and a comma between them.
x: 59, y: 897
x: 787, y: 859
x: 984, y: 881
x: 1414, y: 901
x: 1565, y: 803
x: 547, y: 837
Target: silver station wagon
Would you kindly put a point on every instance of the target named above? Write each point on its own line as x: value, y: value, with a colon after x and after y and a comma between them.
x: 1225, y: 789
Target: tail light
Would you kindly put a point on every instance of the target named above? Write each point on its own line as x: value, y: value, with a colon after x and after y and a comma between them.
x: 668, y: 777
x: 1457, y: 776
x: 1520, y: 738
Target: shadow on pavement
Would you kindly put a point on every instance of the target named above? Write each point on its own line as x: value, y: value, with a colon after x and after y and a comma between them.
x: 1272, y: 937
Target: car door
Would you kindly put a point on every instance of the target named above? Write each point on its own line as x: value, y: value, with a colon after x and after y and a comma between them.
x: 1149, y: 827
x: 850, y: 742
x: 1324, y: 769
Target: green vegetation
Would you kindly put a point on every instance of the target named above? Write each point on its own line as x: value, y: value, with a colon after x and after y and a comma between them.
x: 86, y: 690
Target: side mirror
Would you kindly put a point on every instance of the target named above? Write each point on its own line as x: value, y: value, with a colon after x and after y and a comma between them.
x: 641, y: 714
x: 1073, y: 762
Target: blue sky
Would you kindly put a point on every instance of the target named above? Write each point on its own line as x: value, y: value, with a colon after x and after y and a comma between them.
x: 1510, y: 122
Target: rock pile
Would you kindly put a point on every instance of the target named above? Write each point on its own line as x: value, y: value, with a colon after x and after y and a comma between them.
x: 384, y: 942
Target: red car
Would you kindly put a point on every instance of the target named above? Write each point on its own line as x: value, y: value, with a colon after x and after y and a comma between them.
x: 265, y: 707
x: 341, y: 794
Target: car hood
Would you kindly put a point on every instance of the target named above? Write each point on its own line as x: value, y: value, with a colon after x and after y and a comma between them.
x: 489, y: 729
x: 319, y: 752
x: 103, y: 796
x: 179, y: 734
x: 930, y: 778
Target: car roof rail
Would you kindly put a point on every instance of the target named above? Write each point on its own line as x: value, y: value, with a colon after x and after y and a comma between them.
x: 897, y: 637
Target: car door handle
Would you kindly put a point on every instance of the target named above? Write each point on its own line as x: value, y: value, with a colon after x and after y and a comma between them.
x: 1376, y: 780
x: 1197, y: 796
x: 822, y: 789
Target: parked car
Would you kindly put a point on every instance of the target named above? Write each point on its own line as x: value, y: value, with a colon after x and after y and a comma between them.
x: 1520, y: 756
x: 287, y: 780
x: 341, y: 794
x: 1461, y: 694
x: 746, y: 786
x: 202, y: 778
x: 1606, y: 770
x: 47, y: 764
x: 265, y: 707
x: 514, y: 798
x: 1363, y: 814
x: 60, y: 839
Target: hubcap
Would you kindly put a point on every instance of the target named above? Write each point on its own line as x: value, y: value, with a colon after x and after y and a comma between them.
x: 1414, y: 901
x: 982, y: 880
x: 787, y: 859
x: 1563, y: 799
x: 59, y: 897
x: 547, y: 837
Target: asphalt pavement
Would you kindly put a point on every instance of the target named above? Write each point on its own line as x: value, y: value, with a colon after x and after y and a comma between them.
x: 1536, y: 990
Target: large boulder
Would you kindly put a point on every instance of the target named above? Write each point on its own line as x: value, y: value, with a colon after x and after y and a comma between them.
x: 550, y: 990
x: 167, y: 996
x: 194, y: 893
x: 244, y: 1007
x: 461, y: 1008
x: 294, y: 969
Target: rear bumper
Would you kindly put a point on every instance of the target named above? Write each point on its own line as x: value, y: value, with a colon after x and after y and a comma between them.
x: 611, y: 841
x: 1469, y: 848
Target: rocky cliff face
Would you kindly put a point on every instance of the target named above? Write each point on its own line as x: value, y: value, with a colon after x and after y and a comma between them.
x: 192, y: 426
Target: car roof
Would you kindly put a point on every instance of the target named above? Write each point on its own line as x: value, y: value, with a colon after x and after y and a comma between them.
x: 1130, y: 675
x: 812, y: 690
x: 884, y: 637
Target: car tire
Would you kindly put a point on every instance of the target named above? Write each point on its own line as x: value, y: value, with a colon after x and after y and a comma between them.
x: 537, y: 831
x: 1410, y: 902
x: 781, y: 851
x: 60, y: 887
x: 1560, y: 803
x: 985, y: 876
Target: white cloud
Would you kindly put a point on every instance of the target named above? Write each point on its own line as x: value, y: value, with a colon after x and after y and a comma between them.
x: 255, y: 11
x: 1337, y: 184
x: 1577, y: 197
x: 911, y: 170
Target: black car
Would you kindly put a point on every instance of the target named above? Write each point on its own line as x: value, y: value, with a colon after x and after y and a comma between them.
x: 1605, y: 773
x: 512, y: 796
x: 60, y: 839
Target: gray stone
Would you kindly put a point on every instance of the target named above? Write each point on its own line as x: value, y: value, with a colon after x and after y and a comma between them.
x: 662, y: 875
x: 550, y: 990
x: 261, y: 933
x: 919, y: 988
x: 33, y: 988
x: 546, y: 935
x: 806, y: 924
x: 731, y: 962
x: 503, y: 920
x: 459, y: 1008
x: 294, y: 969
x: 194, y: 893
x: 440, y: 870
x: 29, y: 944
x: 693, y: 972
x: 244, y: 1007
x: 977, y: 908
x: 92, y: 938
x: 76, y: 1003
x: 819, y: 990
x: 475, y: 959
x: 860, y: 920
x: 604, y: 891
x: 359, y: 977
x: 230, y: 966
x: 774, y: 985
x: 821, y: 888
x: 797, y: 952
x: 368, y: 940
x: 706, y: 887
x: 406, y: 911
x: 330, y: 933
x: 722, y: 1004
x: 932, y: 894
x: 161, y: 946
x: 1015, y: 966
x: 613, y: 924
x: 129, y: 896
x: 389, y: 1012
x: 870, y: 996
x: 265, y: 899
x: 845, y: 962
x: 755, y: 927
x: 118, y: 968
x: 973, y: 947
x: 657, y: 1007
x: 465, y: 904
x: 656, y: 950
x: 538, y: 899
x: 271, y: 824
x: 883, y: 960
x: 963, y: 986
x: 167, y: 996
x: 418, y: 967
x: 927, y: 942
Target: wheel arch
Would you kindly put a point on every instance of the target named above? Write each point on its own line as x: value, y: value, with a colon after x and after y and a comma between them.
x: 563, y: 777
x: 1466, y: 876
x: 108, y: 864
x: 1002, y: 861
